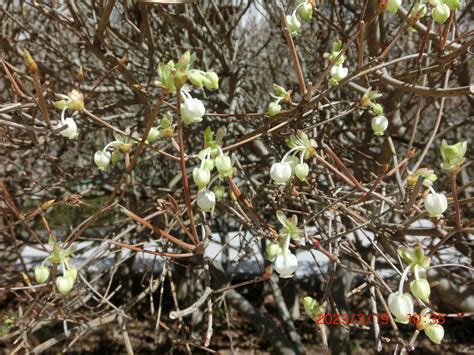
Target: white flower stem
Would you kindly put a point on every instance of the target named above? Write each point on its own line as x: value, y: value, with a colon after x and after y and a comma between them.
x: 302, y: 156
x: 109, y: 144
x: 45, y: 259
x: 291, y: 151
x: 208, y: 153
x: 62, y: 115
x: 64, y: 268
x: 186, y: 94
x: 286, y: 244
x: 402, y: 280
x: 415, y: 269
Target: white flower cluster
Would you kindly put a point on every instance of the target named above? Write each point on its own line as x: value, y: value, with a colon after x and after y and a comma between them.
x: 279, y: 94
x: 58, y: 256
x: 284, y: 262
x: 338, y: 71
x: 305, y: 11
x: 166, y: 129
x: 73, y: 101
x: 401, y: 304
x: 121, y: 144
x: 192, y: 109
x: 211, y: 157
x: 281, y: 172
x: 379, y: 122
x: 440, y: 9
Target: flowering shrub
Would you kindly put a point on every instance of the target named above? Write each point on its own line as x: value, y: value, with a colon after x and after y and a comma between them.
x: 230, y: 166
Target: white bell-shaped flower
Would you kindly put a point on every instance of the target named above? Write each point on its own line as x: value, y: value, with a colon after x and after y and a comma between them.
x: 453, y: 4
x: 441, y: 13
x: 272, y: 250
x: 421, y: 289
x: 338, y: 72
x: 64, y: 284
x: 71, y: 130
x: 192, y: 110
x: 393, y: 5
x: 280, y: 172
x: 153, y: 135
x: 224, y: 165
x: 302, y: 171
x: 306, y: 11
x: 379, y: 125
x: 294, y: 24
x: 436, y: 204
x: 401, y: 306
x: 102, y: 159
x: 211, y: 80
x: 201, y: 177
x: 206, y: 200
x: 435, y: 332
x: 285, y: 264
x: 273, y: 109
x: 41, y: 274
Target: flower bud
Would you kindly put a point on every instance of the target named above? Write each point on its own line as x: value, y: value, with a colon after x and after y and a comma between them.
x: 71, y: 130
x: 294, y: 24
x: 338, y: 72
x: 192, y: 110
x: 379, y: 125
x: 273, y: 250
x: 102, y: 159
x: 453, y: 155
x: 312, y: 307
x: 41, y: 274
x: 427, y: 174
x: 185, y: 59
x: 393, y: 6
x: 418, y: 11
x: 279, y: 90
x: 115, y: 157
x: 201, y: 177
x: 219, y: 191
x: 77, y: 101
x: 72, y: 273
x: 224, y: 165
x: 153, y: 135
x: 453, y: 4
x: 440, y: 13
x: 367, y: 98
x: 206, y: 200
x: 435, y: 332
x: 64, y: 284
x: 419, y: 255
x: 196, y: 78
x: 29, y: 61
x: 436, y: 204
x: 377, y: 109
x: 306, y: 11
x: 211, y: 80
x: 285, y: 264
x: 280, y: 172
x: 301, y: 171
x: 421, y: 289
x: 401, y: 306
x: 273, y: 109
